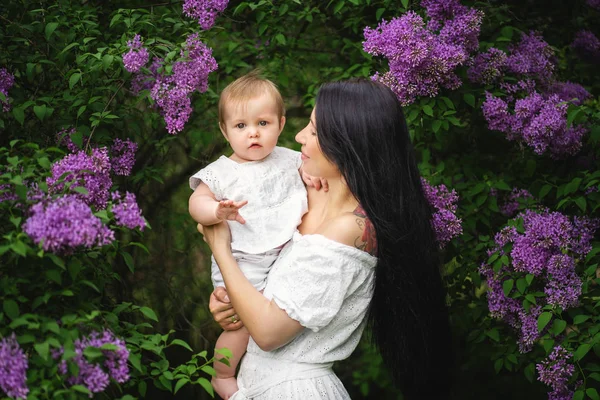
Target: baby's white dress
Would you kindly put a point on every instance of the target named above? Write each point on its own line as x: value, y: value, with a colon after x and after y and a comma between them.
x: 326, y: 286
x: 276, y: 203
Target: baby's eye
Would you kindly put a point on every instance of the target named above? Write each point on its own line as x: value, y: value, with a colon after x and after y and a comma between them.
x: 263, y: 123
x: 240, y: 125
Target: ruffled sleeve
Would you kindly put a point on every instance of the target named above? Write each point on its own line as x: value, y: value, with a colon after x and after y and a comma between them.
x: 316, y: 277
x: 210, y: 177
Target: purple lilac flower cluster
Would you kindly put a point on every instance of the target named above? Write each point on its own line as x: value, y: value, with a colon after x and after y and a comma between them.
x: 122, y: 156
x: 487, y: 67
x: 444, y: 220
x: 587, y: 45
x: 172, y: 93
x: 13, y: 368
x: 547, y: 249
x: 63, y: 138
x: 205, y: 11
x: 92, y: 375
x: 65, y: 224
x: 569, y: 91
x: 511, y: 205
x: 7, y: 80
x: 420, y: 60
x: 142, y: 81
x: 127, y: 212
x: 555, y: 371
x: 594, y: 4
x: 91, y: 172
x: 538, y: 121
x: 137, y: 56
x: 7, y: 193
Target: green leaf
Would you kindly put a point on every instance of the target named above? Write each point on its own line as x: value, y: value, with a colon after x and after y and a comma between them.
x: 129, y: 261
x: 581, y: 351
x: 149, y: 313
x: 40, y: 111
x: 581, y: 203
x: 428, y: 110
x: 544, y: 191
x: 592, y: 393
x: 50, y: 28
x: 435, y: 125
x: 81, y: 389
x: 405, y: 3
x: 19, y: 114
x: 74, y: 79
x: 42, y: 349
x: 530, y: 372
x: 578, y: 395
x: 558, y: 326
x: 543, y: 320
x: 338, y: 7
x: 493, y: 334
x: 209, y: 370
x: 206, y: 385
x: 107, y: 60
x: 469, y: 99
x: 507, y: 286
x: 180, y: 383
x: 579, y: 319
x: 379, y: 13
x: 280, y: 38
x: 136, y: 361
x: 11, y: 308
x: 521, y: 285
x: 181, y: 343
x: 498, y: 365
x: 142, y: 386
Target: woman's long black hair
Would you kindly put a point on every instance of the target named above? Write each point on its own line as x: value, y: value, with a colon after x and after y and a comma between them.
x: 361, y: 128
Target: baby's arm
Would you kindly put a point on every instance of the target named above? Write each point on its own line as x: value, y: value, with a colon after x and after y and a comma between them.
x: 207, y: 210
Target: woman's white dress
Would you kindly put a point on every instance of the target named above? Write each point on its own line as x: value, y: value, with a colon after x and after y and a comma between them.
x: 326, y: 286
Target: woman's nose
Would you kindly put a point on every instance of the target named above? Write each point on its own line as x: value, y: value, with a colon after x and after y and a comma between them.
x: 300, y: 137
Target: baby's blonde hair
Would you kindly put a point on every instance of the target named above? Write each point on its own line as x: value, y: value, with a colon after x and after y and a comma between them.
x: 248, y: 87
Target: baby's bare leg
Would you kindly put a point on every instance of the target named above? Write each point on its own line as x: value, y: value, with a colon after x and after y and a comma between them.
x: 225, y: 383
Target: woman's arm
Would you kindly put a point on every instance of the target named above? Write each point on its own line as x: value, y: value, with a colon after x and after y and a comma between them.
x: 269, y: 325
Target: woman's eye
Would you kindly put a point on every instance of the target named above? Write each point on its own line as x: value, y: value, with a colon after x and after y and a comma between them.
x: 263, y: 123
x: 240, y: 125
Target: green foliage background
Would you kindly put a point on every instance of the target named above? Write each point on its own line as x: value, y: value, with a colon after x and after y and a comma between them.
x: 153, y: 288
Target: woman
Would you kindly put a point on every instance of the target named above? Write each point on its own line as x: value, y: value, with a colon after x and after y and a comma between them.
x: 365, y: 251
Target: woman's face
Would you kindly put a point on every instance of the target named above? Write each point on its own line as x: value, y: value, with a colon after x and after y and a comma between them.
x: 314, y: 161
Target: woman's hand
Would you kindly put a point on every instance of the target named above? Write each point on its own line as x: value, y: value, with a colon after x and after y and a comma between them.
x: 217, y: 236
x: 222, y: 310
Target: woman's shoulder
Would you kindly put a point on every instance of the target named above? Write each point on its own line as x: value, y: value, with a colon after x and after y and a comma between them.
x: 353, y: 229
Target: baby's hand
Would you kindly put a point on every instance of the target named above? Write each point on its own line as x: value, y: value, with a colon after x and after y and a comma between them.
x: 229, y: 210
x: 315, y: 182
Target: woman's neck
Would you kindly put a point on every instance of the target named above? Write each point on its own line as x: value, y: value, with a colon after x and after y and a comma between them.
x: 325, y: 206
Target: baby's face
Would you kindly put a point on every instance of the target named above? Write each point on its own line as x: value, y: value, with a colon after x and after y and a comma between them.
x: 252, y: 128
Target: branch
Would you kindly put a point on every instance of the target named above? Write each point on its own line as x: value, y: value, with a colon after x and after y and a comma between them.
x: 87, y: 145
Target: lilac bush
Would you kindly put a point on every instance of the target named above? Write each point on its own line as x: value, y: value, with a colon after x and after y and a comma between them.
x: 7, y: 80
x: 91, y: 172
x: 137, y: 56
x: 422, y: 60
x: 122, y: 156
x: 63, y: 138
x: 444, y: 220
x: 13, y: 368
x: 90, y: 374
x: 65, y: 224
x: 547, y: 249
x: 172, y: 93
x: 538, y: 121
x: 205, y: 11
x: 555, y: 371
x: 127, y: 212
x: 510, y: 206
x: 587, y: 45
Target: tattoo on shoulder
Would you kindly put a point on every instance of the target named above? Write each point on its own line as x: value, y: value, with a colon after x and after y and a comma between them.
x: 368, y: 240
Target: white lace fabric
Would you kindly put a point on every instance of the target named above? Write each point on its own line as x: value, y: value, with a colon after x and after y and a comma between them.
x: 326, y: 286
x: 275, y: 192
